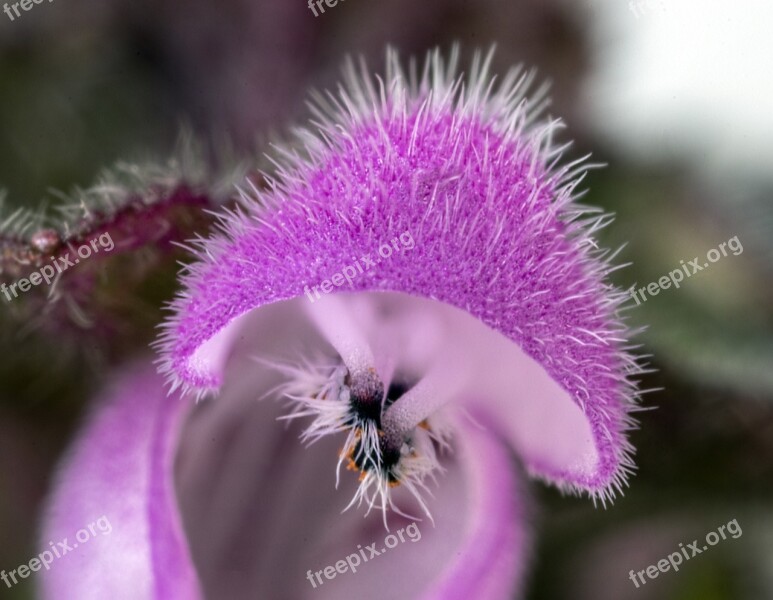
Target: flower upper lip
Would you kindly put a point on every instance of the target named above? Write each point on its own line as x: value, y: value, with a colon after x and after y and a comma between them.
x: 474, y: 176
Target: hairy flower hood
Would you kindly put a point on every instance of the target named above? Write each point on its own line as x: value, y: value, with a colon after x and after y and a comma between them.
x: 466, y: 168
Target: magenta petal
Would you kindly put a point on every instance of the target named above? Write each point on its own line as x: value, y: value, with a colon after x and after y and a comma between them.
x: 120, y: 468
x: 462, y: 169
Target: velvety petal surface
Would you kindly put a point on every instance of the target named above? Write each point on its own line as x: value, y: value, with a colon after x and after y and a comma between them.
x: 120, y: 469
x: 460, y: 170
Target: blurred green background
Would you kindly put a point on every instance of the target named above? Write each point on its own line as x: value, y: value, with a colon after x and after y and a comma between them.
x: 674, y: 99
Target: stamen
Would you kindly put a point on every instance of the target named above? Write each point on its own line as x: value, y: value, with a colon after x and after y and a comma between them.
x: 367, y: 396
x: 333, y: 319
x: 319, y: 391
x: 431, y: 393
x: 339, y: 402
x: 404, y: 462
x: 388, y: 456
x: 390, y: 439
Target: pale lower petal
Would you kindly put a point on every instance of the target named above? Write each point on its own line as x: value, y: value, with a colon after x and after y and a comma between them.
x: 120, y: 469
x: 493, y: 557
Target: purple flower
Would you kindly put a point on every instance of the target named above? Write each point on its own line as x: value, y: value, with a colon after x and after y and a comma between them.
x: 418, y: 297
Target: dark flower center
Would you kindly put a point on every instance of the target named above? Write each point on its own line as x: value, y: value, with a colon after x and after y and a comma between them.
x: 366, y: 398
x: 385, y: 458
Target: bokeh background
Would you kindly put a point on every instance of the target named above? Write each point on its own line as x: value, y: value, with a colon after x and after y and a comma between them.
x: 673, y: 96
